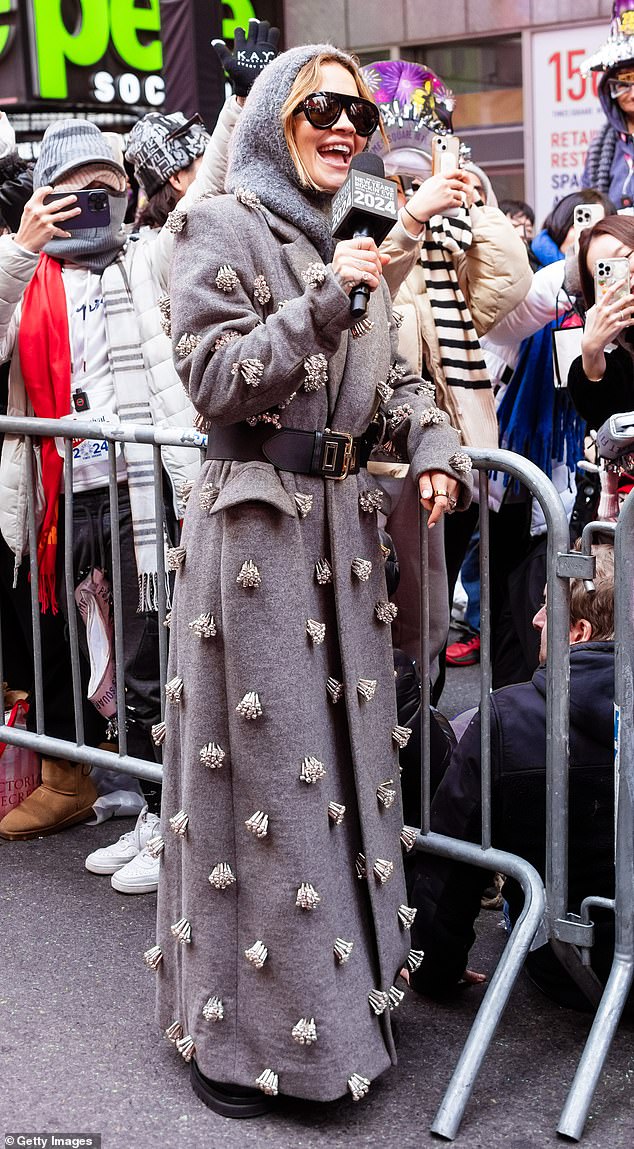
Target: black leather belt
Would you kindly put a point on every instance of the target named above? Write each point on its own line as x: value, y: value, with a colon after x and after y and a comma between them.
x: 331, y: 454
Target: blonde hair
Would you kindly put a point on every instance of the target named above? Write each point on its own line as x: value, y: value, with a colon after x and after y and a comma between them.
x: 306, y: 82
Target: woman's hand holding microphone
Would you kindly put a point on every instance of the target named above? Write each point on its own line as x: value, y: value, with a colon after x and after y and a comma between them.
x: 358, y: 261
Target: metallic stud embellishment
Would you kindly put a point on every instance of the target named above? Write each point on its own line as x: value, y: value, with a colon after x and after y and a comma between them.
x: 159, y: 730
x: 358, y: 1086
x: 316, y: 631
x: 406, y: 916
x: 427, y: 388
x: 251, y: 371
x: 360, y: 866
x: 174, y: 1032
x: 261, y: 290
x: 213, y: 1009
x: 165, y: 311
x: 414, y: 959
x: 433, y: 417
x: 408, y: 837
x: 316, y: 368
x: 401, y: 735
x: 155, y: 846
x: 226, y: 279
x: 186, y: 344
x: 398, y: 415
x: 222, y: 876
x: 247, y: 198
x: 342, y: 950
x: 184, y: 491
x: 382, y: 870
x: 212, y: 755
x: 204, y: 626
x: 305, y: 1031
x: 398, y: 319
x: 312, y: 770
x: 304, y: 504
x: 225, y: 339
x: 461, y: 462
x: 175, y: 221
x: 371, y: 501
x: 250, y: 706
x: 386, y: 794
x: 362, y: 568
x: 167, y: 621
x: 307, y: 897
x: 366, y: 688
x: 153, y: 957
x: 182, y: 931
x: 335, y: 689
x: 174, y: 689
x: 314, y: 275
x: 396, y: 996
x: 207, y: 496
x: 336, y: 812
x: 186, y: 1047
x: 257, y: 954
x: 386, y: 612
x: 179, y: 822
x: 268, y: 1082
x: 363, y: 327
x: 396, y: 373
x: 258, y: 824
x: 379, y: 1001
x: 385, y: 391
x: 249, y: 576
x: 323, y: 572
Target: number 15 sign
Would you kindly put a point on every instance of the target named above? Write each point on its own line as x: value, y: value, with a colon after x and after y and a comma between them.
x: 563, y: 111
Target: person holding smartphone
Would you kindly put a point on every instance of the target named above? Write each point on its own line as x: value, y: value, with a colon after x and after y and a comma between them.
x: 601, y: 379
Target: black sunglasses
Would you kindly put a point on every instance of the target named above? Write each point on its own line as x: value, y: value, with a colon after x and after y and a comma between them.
x: 323, y: 109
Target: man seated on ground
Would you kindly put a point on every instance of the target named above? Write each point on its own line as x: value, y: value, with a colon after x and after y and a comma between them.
x: 447, y: 894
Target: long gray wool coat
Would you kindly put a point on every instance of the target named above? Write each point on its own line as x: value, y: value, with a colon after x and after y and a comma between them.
x: 282, y: 919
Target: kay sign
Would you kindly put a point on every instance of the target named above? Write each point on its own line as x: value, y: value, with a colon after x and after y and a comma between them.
x: 565, y: 112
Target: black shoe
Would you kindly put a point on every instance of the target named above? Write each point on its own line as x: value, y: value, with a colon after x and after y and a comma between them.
x: 229, y: 1100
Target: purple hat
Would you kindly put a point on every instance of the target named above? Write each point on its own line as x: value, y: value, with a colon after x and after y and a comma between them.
x: 619, y: 46
x: 414, y: 103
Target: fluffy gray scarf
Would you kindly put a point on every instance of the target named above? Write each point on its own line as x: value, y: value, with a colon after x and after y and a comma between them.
x: 259, y: 158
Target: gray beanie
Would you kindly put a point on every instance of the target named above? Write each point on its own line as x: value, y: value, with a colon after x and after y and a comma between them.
x: 259, y: 157
x: 70, y: 144
x: 161, y: 145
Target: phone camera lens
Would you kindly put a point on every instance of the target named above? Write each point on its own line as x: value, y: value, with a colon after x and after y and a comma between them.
x: 97, y: 201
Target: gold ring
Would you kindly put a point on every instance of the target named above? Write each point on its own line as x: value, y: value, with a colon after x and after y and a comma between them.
x: 441, y: 495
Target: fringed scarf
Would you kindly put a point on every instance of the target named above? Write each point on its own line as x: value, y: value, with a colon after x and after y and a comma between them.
x: 44, y: 350
x: 536, y: 419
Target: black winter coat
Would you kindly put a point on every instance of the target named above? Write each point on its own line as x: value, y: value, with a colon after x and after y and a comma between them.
x: 447, y: 894
x: 596, y: 401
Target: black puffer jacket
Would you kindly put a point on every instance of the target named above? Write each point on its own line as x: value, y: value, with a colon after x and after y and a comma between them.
x: 447, y: 894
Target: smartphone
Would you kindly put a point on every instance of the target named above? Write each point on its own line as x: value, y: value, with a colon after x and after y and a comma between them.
x: 609, y: 271
x: 586, y: 215
x: 95, y: 208
x: 445, y: 155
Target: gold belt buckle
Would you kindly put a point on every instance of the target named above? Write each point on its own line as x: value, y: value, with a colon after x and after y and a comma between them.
x: 331, y: 451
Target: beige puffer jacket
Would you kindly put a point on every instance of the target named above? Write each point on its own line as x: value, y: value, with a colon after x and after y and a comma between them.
x: 494, y: 276
x: 147, y: 261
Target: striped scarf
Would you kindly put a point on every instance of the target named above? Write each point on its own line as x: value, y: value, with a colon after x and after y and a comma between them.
x: 129, y: 373
x: 460, y: 352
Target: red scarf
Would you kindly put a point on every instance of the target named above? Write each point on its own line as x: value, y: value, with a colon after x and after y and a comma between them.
x: 44, y: 349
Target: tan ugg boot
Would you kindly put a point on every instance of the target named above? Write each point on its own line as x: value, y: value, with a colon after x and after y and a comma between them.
x: 65, y: 797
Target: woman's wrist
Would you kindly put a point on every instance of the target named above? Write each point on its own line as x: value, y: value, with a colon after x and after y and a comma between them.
x: 412, y: 223
x: 593, y: 364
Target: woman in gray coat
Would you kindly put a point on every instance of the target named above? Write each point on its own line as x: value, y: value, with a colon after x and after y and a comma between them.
x: 282, y: 921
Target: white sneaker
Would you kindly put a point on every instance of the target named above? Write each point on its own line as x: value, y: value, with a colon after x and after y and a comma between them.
x: 140, y: 876
x: 109, y: 859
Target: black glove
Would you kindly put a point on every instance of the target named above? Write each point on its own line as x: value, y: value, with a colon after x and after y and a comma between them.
x: 251, y: 54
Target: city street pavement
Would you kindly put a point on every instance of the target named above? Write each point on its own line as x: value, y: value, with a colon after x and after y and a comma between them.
x: 80, y: 1053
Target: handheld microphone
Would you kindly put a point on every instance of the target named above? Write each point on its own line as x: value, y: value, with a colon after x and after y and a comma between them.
x: 365, y: 205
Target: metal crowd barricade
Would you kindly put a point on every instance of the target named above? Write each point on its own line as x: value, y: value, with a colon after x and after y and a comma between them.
x: 545, y: 902
x: 69, y: 429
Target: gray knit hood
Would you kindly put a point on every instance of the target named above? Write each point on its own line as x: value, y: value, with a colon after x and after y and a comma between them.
x: 260, y: 160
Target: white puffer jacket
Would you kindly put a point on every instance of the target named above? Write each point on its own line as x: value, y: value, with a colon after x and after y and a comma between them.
x: 147, y: 260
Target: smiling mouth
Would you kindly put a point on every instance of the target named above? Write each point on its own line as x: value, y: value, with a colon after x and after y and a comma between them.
x: 336, y: 155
